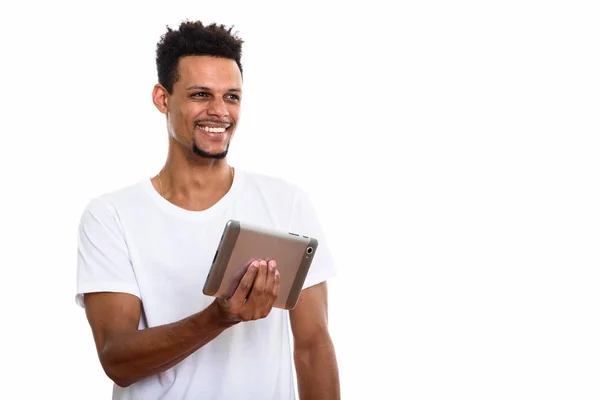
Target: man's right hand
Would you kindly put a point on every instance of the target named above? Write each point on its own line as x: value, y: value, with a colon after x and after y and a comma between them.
x: 254, y: 297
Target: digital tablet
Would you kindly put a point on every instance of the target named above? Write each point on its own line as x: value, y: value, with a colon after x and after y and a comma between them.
x: 241, y: 243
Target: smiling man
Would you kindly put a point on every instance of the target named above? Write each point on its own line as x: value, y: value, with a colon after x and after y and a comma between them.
x: 146, y: 249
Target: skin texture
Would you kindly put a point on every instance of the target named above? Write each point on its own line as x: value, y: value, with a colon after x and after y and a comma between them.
x: 314, y: 353
x: 196, y: 176
x: 207, y: 92
x: 128, y: 354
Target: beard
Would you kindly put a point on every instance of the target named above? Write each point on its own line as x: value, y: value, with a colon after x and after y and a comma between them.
x: 204, y: 154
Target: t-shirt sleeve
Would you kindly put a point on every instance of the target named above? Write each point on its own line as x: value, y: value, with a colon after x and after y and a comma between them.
x: 305, y: 221
x: 103, y: 262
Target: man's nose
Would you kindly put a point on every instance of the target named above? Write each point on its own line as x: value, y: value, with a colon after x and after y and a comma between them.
x: 218, y: 108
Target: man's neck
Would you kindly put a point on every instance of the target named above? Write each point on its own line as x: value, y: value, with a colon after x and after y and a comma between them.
x: 194, y: 184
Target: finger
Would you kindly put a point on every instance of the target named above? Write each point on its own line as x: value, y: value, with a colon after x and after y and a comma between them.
x: 260, y: 281
x: 273, y: 293
x: 276, y: 284
x: 270, y: 276
x: 235, y: 281
x: 241, y: 292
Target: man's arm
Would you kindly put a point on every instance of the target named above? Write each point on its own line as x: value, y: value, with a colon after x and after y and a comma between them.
x: 128, y: 354
x: 314, y: 354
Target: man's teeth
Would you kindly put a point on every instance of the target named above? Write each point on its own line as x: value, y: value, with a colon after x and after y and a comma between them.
x: 213, y: 130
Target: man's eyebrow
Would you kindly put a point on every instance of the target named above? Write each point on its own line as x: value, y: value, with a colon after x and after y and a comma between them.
x: 198, y: 88
x: 209, y: 89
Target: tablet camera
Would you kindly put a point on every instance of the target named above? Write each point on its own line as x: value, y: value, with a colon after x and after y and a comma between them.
x: 309, y: 250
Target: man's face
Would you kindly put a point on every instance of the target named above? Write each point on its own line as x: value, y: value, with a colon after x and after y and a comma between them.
x: 204, y: 107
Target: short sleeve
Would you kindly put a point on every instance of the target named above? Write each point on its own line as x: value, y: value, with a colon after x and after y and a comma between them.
x: 103, y: 262
x: 305, y: 221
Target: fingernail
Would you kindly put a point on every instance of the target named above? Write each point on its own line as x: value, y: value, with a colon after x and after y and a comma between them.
x: 276, y: 272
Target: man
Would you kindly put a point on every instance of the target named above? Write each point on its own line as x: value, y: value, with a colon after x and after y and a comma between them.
x: 145, y: 251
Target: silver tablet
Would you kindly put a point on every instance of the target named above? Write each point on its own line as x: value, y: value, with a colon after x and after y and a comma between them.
x: 241, y: 243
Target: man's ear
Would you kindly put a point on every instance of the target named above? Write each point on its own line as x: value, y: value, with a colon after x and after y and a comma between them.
x: 160, y: 98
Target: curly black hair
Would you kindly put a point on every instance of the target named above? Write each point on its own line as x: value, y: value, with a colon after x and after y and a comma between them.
x: 194, y: 39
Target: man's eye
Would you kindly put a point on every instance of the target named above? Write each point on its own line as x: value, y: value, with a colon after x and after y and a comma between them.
x: 200, y: 94
x: 233, y: 97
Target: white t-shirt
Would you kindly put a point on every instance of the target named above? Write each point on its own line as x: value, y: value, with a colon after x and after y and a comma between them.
x: 134, y: 241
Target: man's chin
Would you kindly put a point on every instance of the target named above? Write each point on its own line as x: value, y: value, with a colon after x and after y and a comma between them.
x: 205, y: 154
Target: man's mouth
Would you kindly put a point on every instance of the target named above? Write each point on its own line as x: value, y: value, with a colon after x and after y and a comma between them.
x: 213, y: 128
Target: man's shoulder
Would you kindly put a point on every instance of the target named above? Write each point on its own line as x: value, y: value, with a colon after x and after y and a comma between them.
x: 117, y: 198
x: 270, y: 182
x: 274, y: 189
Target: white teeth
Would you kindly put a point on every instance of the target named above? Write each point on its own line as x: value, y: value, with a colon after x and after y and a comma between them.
x: 212, y: 130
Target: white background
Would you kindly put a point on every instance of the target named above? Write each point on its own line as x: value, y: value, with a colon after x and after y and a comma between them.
x: 451, y: 149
